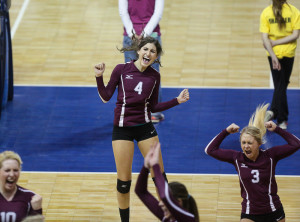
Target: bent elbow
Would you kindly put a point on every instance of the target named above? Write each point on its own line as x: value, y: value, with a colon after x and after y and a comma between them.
x: 104, y: 101
x: 207, y: 151
x: 137, y: 192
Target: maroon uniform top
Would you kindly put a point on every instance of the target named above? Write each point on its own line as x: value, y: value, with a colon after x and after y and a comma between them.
x: 137, y: 94
x: 19, y: 207
x: 163, y: 189
x: 257, y: 179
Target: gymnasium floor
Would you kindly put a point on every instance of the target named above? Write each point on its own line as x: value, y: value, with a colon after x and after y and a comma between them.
x: 62, y: 130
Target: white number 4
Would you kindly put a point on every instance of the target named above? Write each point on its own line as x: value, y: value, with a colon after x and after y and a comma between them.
x: 139, y: 88
x: 255, y: 176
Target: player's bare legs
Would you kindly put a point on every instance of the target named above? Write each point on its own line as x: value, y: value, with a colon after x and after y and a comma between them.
x: 123, y: 152
x: 144, y: 147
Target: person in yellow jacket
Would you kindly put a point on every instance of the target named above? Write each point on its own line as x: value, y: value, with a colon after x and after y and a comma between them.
x: 280, y: 25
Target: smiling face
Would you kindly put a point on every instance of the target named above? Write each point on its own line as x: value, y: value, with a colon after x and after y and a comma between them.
x: 9, y: 175
x: 147, y: 55
x: 250, y: 146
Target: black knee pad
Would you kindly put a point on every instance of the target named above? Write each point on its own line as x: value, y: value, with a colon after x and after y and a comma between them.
x: 123, y: 186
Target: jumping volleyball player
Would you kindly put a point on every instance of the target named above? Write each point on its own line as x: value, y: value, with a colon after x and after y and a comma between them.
x: 138, y: 88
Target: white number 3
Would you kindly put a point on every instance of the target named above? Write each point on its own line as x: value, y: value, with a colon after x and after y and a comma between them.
x: 139, y: 88
x: 255, y: 176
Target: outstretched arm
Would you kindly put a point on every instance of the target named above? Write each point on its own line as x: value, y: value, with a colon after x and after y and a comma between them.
x: 145, y: 196
x: 163, y: 188
x: 183, y: 97
x: 141, y: 185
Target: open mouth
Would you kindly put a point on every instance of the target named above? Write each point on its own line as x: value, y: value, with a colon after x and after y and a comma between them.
x: 248, y: 152
x: 146, y: 60
x: 10, y: 181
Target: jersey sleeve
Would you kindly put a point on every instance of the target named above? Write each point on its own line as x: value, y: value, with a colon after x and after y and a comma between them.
x: 264, y: 26
x: 147, y: 198
x: 296, y: 19
x: 35, y: 212
x: 170, y: 202
x: 155, y: 106
x: 159, y: 107
x: 123, y: 11
x: 213, y: 148
x: 106, y: 92
x: 280, y: 152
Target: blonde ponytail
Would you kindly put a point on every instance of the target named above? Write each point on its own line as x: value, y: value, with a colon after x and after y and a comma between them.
x: 256, y: 126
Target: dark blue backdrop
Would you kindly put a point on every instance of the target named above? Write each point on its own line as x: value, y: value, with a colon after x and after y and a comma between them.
x: 69, y: 129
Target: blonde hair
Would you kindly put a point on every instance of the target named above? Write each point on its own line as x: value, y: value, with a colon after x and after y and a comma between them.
x: 256, y: 126
x: 10, y: 155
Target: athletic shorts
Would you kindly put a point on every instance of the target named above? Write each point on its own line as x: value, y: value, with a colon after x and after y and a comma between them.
x: 277, y: 215
x: 131, y: 133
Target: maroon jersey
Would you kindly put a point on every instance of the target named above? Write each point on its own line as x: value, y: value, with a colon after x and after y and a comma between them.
x: 18, y: 208
x: 163, y: 189
x: 137, y: 94
x: 257, y: 179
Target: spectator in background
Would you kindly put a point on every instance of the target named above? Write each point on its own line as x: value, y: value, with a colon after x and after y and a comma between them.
x: 279, y: 25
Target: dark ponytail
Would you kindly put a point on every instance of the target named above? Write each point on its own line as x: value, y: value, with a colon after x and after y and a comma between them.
x: 179, y: 191
x: 193, y: 207
x: 277, y: 10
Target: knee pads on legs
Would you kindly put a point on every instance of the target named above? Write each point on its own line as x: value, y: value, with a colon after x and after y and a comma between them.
x: 123, y: 186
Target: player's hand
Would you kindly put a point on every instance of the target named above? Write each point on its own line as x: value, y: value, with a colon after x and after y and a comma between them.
x: 270, y: 125
x: 183, y: 96
x: 233, y: 128
x: 155, y: 156
x: 152, y: 156
x: 36, y: 202
x: 99, y: 69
